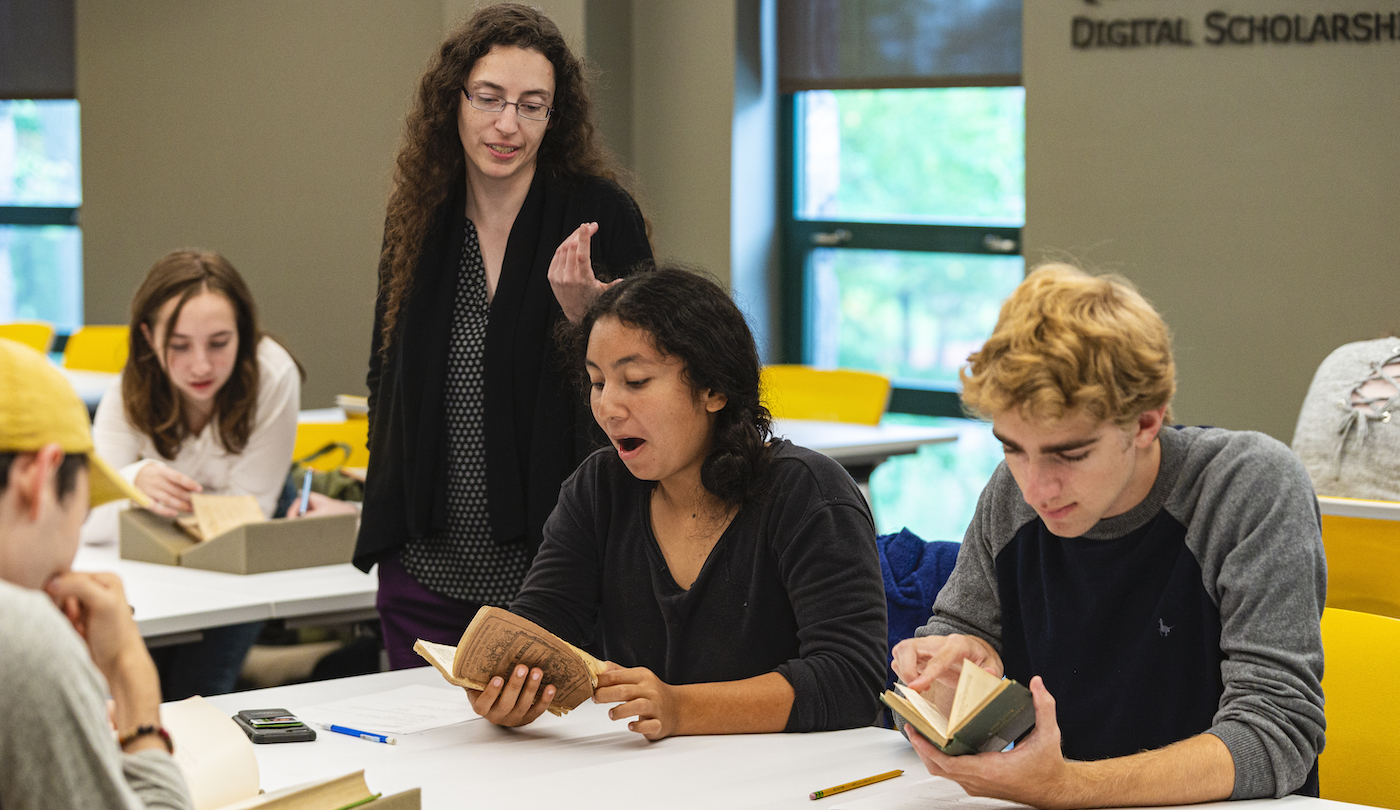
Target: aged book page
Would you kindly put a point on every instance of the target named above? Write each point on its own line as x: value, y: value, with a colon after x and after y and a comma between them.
x: 440, y: 656
x: 216, y: 514
x: 213, y: 754
x: 976, y: 687
x: 925, y: 710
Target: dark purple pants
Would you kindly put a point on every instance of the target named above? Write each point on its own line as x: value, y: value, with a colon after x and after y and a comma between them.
x: 408, y: 612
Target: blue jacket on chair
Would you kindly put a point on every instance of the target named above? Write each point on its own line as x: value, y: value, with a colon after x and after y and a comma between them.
x: 914, y: 571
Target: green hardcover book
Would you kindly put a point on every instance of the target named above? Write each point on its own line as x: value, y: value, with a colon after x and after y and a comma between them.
x: 987, y: 714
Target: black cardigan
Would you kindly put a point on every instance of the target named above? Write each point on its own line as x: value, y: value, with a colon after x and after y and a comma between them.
x: 537, y: 430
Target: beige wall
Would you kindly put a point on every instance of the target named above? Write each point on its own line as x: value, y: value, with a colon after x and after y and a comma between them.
x: 682, y: 111
x: 266, y: 130
x: 261, y: 129
x: 1250, y: 191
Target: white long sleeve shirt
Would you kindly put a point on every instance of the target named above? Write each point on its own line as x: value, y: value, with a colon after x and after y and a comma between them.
x: 260, y: 470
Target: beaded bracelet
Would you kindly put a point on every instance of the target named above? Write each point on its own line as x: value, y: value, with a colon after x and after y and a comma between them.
x: 145, y: 731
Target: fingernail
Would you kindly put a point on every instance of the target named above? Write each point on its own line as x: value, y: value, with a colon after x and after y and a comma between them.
x: 534, y: 676
x: 496, y: 682
x: 520, y: 672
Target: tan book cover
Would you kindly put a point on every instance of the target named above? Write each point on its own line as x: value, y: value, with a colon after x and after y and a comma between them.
x: 497, y: 641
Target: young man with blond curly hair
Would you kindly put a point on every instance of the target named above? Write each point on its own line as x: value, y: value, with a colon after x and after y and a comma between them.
x: 1164, y: 584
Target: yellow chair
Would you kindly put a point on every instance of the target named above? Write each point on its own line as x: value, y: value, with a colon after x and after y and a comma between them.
x: 35, y: 334
x: 802, y: 392
x: 312, y: 436
x: 1362, y: 539
x: 97, y: 348
x: 1360, y: 680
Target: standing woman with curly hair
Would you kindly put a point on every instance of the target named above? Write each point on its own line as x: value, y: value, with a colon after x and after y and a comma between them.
x: 504, y: 215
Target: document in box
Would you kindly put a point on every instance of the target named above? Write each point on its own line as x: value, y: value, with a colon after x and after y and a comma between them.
x: 933, y: 793
x: 406, y: 710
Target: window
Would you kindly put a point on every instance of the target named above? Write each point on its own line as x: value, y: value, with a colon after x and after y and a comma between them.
x: 40, y: 195
x: 904, y: 235
x: 904, y: 135
x: 903, y: 130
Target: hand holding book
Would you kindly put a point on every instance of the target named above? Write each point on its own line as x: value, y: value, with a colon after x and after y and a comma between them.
x: 987, y: 713
x: 517, y: 669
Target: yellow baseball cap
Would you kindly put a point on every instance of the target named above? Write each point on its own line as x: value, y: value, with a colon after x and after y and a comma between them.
x: 38, y: 407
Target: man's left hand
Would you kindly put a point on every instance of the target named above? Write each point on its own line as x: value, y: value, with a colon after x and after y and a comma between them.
x: 1034, y: 772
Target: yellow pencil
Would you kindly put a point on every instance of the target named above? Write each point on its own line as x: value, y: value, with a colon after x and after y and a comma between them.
x: 869, y: 780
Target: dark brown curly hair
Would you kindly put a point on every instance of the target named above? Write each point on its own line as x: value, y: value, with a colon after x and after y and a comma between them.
x: 152, y: 404
x: 690, y: 317
x: 431, y: 161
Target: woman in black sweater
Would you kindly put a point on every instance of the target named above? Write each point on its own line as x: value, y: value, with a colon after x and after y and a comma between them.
x: 503, y: 208
x: 731, y: 581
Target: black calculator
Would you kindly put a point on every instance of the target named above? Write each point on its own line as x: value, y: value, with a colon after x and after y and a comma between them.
x: 273, y: 726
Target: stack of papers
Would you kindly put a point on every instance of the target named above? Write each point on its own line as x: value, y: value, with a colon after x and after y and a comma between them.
x: 406, y: 710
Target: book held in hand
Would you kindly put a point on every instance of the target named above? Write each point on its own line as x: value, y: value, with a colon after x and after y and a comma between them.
x: 497, y: 641
x: 987, y: 714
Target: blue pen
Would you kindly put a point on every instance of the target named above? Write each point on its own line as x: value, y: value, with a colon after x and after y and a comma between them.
x: 364, y: 735
x: 305, y: 493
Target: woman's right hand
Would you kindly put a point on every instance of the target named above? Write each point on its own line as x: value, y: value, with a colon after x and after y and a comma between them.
x: 512, y: 703
x: 168, y: 489
x: 320, y: 505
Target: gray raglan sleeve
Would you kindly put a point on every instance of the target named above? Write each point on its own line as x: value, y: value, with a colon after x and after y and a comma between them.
x: 1260, y: 548
x: 969, y: 603
x: 56, y: 747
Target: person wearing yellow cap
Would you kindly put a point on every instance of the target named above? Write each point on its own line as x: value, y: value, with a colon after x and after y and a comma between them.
x: 67, y: 639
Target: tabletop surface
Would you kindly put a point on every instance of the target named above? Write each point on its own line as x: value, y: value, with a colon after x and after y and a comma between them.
x: 586, y: 760
x: 171, y: 599
x: 580, y: 760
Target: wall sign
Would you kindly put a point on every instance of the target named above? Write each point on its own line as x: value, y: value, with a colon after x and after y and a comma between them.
x: 1225, y: 28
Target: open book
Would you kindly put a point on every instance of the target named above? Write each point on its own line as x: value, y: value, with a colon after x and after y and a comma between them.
x: 340, y: 793
x: 987, y: 713
x: 215, y: 514
x: 221, y: 770
x: 497, y: 640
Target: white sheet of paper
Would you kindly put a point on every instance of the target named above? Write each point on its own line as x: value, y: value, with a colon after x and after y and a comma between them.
x: 406, y: 710
x: 933, y: 793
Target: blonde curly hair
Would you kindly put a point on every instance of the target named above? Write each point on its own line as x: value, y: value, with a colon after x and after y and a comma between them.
x: 1067, y: 341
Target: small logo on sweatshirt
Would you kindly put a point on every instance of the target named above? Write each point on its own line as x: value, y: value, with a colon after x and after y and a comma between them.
x: 1164, y: 628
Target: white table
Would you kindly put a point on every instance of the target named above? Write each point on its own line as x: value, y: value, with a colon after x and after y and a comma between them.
x: 857, y: 445
x: 853, y: 445
x: 1353, y: 507
x: 585, y: 760
x: 89, y: 385
x: 581, y: 760
x: 173, y: 604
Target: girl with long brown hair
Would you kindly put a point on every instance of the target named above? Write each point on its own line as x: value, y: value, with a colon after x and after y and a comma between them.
x: 504, y: 216
x: 206, y: 403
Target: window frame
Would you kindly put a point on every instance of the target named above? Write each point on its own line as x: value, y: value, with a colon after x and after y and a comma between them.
x: 796, y: 241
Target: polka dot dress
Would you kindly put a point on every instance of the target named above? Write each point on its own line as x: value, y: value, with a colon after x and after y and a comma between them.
x: 464, y: 563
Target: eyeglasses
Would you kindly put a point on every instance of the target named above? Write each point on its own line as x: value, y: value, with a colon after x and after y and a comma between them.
x: 529, y: 110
